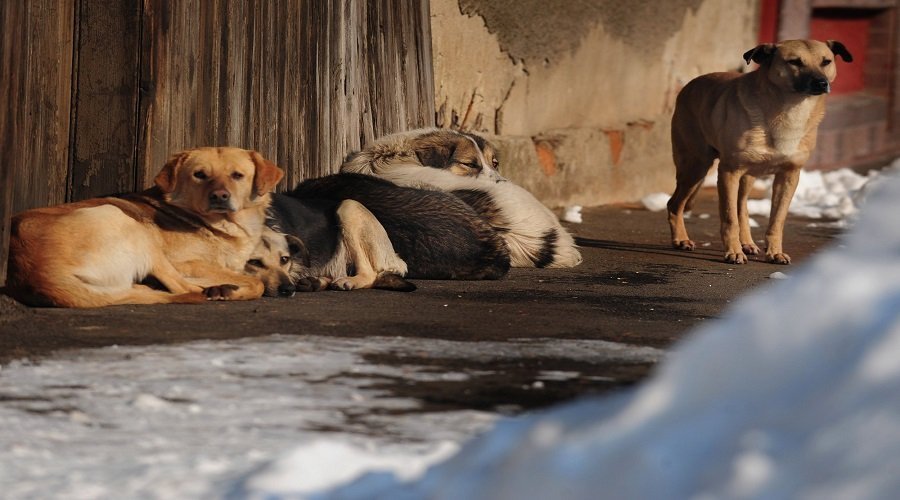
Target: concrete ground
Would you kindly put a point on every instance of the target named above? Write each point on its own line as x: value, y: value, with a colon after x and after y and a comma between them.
x: 632, y: 289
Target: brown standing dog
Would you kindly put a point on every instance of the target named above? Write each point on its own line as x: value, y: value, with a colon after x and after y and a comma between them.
x: 758, y: 123
x: 193, y: 233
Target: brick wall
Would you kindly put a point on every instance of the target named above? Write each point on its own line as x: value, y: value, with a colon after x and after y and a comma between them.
x: 860, y: 129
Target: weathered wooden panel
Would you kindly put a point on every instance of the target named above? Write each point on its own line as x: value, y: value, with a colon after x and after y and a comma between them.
x: 105, y: 121
x: 302, y: 82
x: 35, y: 92
x: 12, y: 116
x: 40, y: 159
x: 374, y: 76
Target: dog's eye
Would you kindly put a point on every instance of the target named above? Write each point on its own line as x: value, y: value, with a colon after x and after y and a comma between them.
x: 495, y: 162
x: 796, y: 62
x: 237, y: 176
x: 200, y: 175
x: 285, y: 259
x: 255, y: 263
x: 826, y: 62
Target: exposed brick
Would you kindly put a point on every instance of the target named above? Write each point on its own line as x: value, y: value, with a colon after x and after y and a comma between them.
x: 825, y: 148
x: 616, y: 144
x: 546, y: 157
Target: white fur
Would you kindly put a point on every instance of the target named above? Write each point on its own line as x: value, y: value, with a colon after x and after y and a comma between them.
x: 525, y: 219
x: 487, y: 170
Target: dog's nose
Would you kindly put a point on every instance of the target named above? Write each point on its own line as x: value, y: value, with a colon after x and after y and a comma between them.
x: 819, y: 86
x: 286, y: 290
x: 219, y: 195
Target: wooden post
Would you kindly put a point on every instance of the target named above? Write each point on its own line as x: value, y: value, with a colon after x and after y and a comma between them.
x: 36, y: 40
x: 12, y: 53
x: 304, y: 83
x: 104, y: 138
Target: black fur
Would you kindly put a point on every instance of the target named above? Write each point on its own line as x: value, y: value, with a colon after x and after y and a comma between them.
x: 438, y: 235
x: 483, y: 204
x: 313, y: 221
x: 548, y: 249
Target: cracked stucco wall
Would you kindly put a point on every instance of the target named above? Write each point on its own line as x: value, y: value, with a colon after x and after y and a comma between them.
x: 579, y: 94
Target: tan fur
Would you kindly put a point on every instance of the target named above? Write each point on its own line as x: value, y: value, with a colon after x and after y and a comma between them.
x: 759, y: 123
x: 368, y: 247
x: 193, y: 233
x: 272, y: 261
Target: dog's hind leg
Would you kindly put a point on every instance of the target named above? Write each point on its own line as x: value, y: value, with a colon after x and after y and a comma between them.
x: 370, y: 250
x: 747, y: 244
x: 729, y: 187
x: 690, y: 172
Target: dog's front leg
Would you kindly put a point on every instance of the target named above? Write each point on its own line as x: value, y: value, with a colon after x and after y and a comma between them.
x: 220, y: 283
x: 783, y: 188
x: 747, y: 244
x: 729, y: 185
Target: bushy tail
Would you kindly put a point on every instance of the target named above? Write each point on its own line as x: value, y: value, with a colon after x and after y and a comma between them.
x: 391, y: 281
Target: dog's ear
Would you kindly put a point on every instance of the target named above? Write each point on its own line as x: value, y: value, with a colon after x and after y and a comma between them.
x: 435, y: 155
x: 298, y: 249
x: 267, y: 174
x: 760, y: 54
x: 167, y: 177
x: 839, y: 50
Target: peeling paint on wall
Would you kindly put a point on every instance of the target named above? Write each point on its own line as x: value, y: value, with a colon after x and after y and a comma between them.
x: 581, y: 92
x: 540, y: 30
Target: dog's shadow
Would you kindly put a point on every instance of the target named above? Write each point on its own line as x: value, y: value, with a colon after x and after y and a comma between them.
x: 709, y: 255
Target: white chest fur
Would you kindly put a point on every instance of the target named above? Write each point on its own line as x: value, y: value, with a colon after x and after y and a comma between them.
x: 790, y: 127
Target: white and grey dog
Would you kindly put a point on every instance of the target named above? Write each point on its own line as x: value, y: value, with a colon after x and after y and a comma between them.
x: 466, y: 165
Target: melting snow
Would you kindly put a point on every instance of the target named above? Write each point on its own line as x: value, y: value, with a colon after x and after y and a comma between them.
x: 792, y: 395
x: 836, y: 194
x: 223, y: 418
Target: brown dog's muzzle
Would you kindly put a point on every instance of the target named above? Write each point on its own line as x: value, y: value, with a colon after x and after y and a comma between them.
x: 220, y: 201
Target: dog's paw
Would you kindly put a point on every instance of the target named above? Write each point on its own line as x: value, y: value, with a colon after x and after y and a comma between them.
x: 344, y: 284
x: 220, y: 292
x: 779, y: 258
x: 311, y: 284
x: 684, y: 244
x: 750, y: 249
x: 735, y: 258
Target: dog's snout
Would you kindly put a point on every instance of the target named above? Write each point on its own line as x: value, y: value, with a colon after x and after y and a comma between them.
x: 820, y: 85
x: 286, y: 290
x: 815, y: 85
x: 219, y: 196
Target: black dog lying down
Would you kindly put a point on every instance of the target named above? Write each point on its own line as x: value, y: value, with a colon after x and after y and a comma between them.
x: 365, y: 232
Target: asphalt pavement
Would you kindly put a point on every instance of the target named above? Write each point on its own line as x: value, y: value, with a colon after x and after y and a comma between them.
x: 633, y: 294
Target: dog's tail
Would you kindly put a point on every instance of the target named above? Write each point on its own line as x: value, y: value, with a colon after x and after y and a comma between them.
x: 391, y: 281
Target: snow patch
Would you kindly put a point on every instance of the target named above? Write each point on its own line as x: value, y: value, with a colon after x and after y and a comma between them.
x: 791, y: 395
x: 836, y: 194
x: 655, y: 202
x: 573, y: 214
